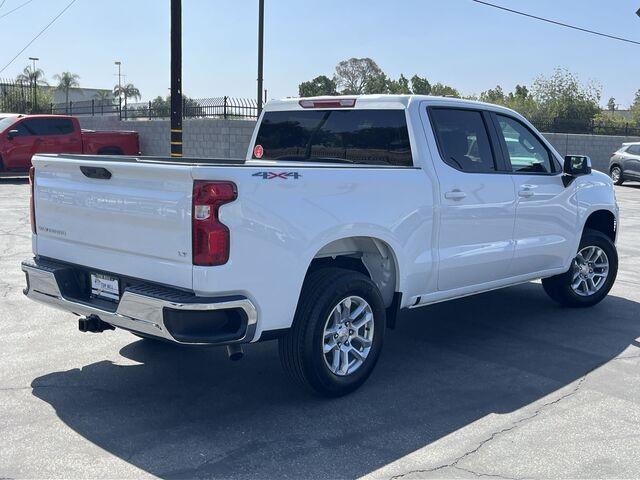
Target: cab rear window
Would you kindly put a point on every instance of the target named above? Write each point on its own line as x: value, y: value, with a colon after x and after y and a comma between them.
x: 371, y: 137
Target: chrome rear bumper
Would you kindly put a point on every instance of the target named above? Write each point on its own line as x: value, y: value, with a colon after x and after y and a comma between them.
x: 139, y: 310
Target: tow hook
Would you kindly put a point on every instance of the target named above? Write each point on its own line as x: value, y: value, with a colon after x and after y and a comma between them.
x: 235, y: 352
x: 93, y: 324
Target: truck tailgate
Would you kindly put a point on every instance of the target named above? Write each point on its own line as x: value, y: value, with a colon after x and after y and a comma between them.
x: 117, y: 224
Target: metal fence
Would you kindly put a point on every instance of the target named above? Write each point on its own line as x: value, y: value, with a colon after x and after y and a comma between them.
x: 21, y: 97
x: 585, y: 126
x: 224, y: 107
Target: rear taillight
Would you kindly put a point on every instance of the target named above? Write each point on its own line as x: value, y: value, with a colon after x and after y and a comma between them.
x: 32, y: 205
x: 210, y: 237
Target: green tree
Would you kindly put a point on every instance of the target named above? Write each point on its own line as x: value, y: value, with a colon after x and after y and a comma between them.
x: 611, y: 104
x: 321, y: 85
x: 103, y: 96
x: 563, y: 95
x: 353, y: 75
x: 126, y: 91
x: 494, y: 95
x: 377, y: 85
x: 66, y: 81
x: 441, y: 90
x: 400, y: 86
x: 420, y: 85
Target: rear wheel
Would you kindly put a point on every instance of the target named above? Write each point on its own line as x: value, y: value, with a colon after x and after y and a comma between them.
x: 591, y: 276
x: 337, y: 333
x: 616, y: 175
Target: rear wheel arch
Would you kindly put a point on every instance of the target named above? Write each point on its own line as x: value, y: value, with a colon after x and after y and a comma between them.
x: 370, y: 256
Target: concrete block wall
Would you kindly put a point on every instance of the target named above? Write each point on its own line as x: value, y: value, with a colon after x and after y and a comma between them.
x: 220, y: 138
x: 598, y: 147
x: 202, y: 137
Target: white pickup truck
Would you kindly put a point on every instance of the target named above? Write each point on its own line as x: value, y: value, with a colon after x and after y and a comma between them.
x: 345, y: 211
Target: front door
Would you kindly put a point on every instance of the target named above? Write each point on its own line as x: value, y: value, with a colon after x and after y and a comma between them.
x: 20, y: 148
x: 547, y: 211
x: 477, y: 200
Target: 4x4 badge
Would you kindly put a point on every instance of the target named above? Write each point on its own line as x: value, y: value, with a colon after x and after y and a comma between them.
x: 281, y: 175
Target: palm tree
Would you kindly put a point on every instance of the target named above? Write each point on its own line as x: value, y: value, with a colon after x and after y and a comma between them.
x: 127, y: 91
x: 103, y: 96
x: 31, y: 76
x: 66, y: 81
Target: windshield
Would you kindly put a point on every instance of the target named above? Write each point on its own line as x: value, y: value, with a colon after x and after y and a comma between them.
x: 372, y: 137
x: 6, y: 122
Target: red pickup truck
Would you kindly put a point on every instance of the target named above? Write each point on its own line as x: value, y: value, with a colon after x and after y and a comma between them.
x: 22, y: 136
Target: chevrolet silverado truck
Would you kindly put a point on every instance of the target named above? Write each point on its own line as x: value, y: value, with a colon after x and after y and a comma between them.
x: 22, y: 136
x: 345, y: 211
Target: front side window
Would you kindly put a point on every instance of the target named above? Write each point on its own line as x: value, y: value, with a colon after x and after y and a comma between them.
x: 49, y: 126
x: 526, y: 152
x: 372, y: 137
x: 463, y: 139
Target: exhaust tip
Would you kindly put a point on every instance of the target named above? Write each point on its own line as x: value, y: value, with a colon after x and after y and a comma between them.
x: 235, y: 352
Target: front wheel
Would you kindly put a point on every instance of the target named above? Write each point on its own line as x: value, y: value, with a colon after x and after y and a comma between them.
x: 591, y: 276
x: 337, y: 332
x: 616, y: 175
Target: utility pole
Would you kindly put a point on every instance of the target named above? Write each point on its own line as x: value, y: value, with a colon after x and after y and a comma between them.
x: 176, y: 78
x: 119, y: 64
x: 260, y: 51
x: 34, y: 79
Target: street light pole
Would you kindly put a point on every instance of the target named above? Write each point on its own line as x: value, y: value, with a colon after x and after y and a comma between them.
x: 119, y: 64
x: 176, y: 78
x: 35, y: 84
x: 260, y: 52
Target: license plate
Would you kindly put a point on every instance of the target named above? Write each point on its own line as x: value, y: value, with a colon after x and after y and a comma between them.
x: 105, y: 286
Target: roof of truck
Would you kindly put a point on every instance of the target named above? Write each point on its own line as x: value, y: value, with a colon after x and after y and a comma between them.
x: 379, y: 102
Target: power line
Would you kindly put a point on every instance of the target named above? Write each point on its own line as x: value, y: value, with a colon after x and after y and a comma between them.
x: 17, y: 8
x: 39, y: 34
x: 2, y: 4
x: 555, y: 22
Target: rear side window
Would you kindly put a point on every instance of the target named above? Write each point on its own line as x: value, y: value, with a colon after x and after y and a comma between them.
x: 634, y: 149
x: 49, y: 126
x: 463, y: 139
x: 372, y: 137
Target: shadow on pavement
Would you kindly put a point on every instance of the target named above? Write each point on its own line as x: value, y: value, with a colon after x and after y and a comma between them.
x: 185, y: 413
x: 14, y: 180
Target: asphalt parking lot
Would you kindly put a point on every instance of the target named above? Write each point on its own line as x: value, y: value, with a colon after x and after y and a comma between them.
x: 504, y: 384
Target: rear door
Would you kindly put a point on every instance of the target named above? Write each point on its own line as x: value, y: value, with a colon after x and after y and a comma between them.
x: 546, y: 212
x: 632, y: 161
x: 477, y: 212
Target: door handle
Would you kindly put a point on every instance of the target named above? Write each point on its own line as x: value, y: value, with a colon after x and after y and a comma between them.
x: 526, y: 193
x: 455, y: 195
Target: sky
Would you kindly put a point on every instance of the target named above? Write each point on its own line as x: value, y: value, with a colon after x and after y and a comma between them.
x: 467, y: 45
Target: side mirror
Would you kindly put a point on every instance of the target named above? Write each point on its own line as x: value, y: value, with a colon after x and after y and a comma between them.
x: 576, y: 165
x: 12, y: 134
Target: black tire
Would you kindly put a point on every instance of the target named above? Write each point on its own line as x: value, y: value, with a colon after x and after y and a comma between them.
x: 559, y: 287
x: 301, y: 349
x: 616, y: 171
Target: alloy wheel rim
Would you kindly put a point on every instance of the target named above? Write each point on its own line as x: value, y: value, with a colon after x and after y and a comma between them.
x: 348, y: 335
x: 590, y: 271
x: 615, y: 174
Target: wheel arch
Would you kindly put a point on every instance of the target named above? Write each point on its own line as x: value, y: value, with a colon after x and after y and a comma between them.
x: 368, y: 255
x: 603, y: 221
